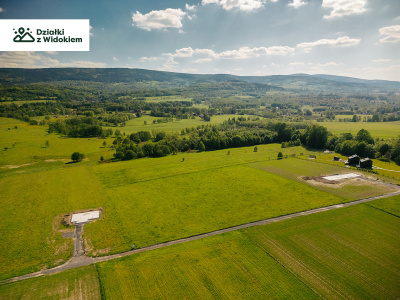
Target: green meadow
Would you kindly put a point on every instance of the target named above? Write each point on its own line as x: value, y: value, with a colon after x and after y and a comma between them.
x: 79, y: 283
x: 153, y: 200
x: 346, y: 253
x: 138, y: 124
x: 27, y: 144
x: 170, y: 208
x: 30, y: 237
x: 383, y: 130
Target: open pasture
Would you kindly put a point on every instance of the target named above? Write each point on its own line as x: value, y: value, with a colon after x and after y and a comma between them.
x: 167, y: 98
x: 144, y: 169
x: 30, y: 238
x: 170, y: 208
x: 29, y: 144
x: 383, y: 130
x: 79, y: 283
x: 137, y: 124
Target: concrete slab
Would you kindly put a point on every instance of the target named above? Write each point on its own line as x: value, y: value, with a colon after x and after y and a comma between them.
x: 85, y: 217
x: 341, y: 176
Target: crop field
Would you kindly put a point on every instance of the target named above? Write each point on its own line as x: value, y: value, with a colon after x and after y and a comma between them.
x: 30, y: 238
x: 390, y: 205
x: 79, y: 283
x: 346, y: 253
x: 221, y: 267
x: 295, y: 169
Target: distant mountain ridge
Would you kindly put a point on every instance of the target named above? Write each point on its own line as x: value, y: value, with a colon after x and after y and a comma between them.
x: 319, y: 82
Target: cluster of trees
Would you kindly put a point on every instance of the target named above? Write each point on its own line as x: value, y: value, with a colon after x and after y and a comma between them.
x: 231, y: 134
x: 346, y: 144
x: 80, y: 127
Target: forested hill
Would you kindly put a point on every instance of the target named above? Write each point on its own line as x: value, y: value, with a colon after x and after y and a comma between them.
x: 298, y: 82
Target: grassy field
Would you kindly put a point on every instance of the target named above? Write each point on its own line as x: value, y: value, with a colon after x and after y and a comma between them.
x: 346, y: 253
x: 79, y: 283
x: 167, y: 98
x: 30, y: 239
x: 169, y: 208
x: 137, y: 124
x: 29, y: 144
x: 383, y: 130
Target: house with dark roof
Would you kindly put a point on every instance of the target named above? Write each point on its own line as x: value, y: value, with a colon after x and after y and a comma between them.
x: 366, y: 163
x: 354, y: 159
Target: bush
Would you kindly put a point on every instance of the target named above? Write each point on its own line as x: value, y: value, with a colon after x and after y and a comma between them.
x: 280, y: 155
x: 76, y: 156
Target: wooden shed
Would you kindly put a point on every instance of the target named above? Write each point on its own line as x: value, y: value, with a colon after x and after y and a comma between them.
x: 354, y: 159
x: 366, y: 163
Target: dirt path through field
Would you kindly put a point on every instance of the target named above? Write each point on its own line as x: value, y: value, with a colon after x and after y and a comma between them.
x: 79, y: 260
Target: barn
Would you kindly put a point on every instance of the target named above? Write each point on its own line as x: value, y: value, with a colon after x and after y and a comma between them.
x: 366, y: 163
x: 354, y: 159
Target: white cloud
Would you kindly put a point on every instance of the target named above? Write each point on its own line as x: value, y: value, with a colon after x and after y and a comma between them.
x: 330, y: 64
x: 190, y: 7
x: 159, y: 19
x: 344, y: 41
x: 90, y: 30
x: 202, y: 60
x: 1, y: 10
x: 391, y: 34
x: 28, y: 59
x: 51, y: 52
x: 297, y: 3
x: 183, y: 52
x: 115, y: 59
x: 381, y: 60
x: 207, y: 52
x: 207, y: 55
x: 246, y: 52
x: 341, y: 8
x: 144, y: 58
x: 181, y: 31
x: 297, y: 64
x: 245, y: 5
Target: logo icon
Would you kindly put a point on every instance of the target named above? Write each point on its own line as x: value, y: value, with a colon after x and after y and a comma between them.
x: 23, y: 35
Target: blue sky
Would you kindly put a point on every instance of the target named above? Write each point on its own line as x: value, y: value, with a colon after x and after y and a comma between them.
x: 358, y: 38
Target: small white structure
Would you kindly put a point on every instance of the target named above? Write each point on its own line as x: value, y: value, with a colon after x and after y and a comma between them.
x: 342, y: 176
x: 85, y: 217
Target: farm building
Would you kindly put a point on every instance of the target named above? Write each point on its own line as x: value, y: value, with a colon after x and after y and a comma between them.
x: 354, y: 159
x: 366, y: 163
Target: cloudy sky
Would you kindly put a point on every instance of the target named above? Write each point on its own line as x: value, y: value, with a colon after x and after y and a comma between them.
x: 358, y: 38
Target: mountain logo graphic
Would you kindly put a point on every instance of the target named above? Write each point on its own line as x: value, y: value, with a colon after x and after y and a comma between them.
x: 23, y: 35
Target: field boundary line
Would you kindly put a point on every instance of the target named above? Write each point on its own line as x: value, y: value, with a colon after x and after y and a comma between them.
x: 382, y: 210
x: 76, y: 262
